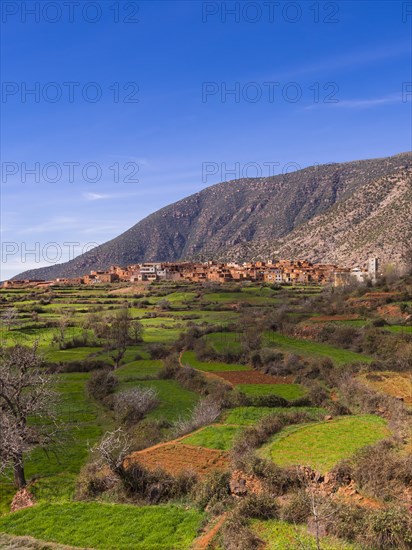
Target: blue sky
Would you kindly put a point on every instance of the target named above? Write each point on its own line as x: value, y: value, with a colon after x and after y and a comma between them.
x: 151, y: 119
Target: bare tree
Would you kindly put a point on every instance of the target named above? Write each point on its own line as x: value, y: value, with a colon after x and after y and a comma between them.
x: 61, y: 327
x: 132, y: 405
x: 205, y: 412
x: 26, y: 392
x: 113, y: 449
x: 9, y: 317
x: 136, y: 331
x: 320, y: 508
x: 118, y: 335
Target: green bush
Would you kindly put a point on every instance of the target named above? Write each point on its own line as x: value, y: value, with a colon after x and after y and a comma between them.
x: 389, y: 528
x: 101, y: 384
x: 297, y: 509
x: 212, y: 493
x: 259, y: 506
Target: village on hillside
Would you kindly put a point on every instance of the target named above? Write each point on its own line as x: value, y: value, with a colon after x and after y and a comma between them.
x: 279, y: 272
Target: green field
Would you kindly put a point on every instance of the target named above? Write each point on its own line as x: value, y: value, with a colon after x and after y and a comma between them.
x: 224, y: 341
x: 324, y: 444
x: 106, y: 526
x: 189, y: 358
x: 279, y: 535
x: 249, y: 296
x: 399, y: 329
x: 104, y: 521
x: 247, y: 416
x: 175, y: 401
x: 306, y: 347
x: 213, y: 437
x: 287, y: 391
x: 139, y: 370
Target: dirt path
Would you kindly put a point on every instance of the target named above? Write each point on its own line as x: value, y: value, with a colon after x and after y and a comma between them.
x: 165, y: 443
x: 206, y: 374
x: 202, y: 542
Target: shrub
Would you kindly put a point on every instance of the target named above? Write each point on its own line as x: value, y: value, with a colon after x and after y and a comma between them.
x: 237, y: 536
x: 297, y: 509
x: 92, y: 482
x: 277, y: 480
x: 382, y: 471
x: 146, y: 433
x: 101, y: 384
x: 389, y: 528
x: 205, y: 412
x: 170, y: 368
x: 157, y: 486
x: 158, y: 351
x: 262, y: 506
x: 213, y: 492
x: 87, y: 365
x: 346, y: 521
x: 132, y: 405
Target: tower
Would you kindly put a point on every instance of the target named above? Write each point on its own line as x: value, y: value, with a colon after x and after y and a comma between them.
x: 373, y: 265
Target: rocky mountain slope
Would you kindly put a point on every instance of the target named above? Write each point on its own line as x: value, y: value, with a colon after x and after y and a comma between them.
x: 376, y: 220
x: 340, y: 213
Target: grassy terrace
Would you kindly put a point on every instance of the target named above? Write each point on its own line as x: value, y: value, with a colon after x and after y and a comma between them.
x: 247, y: 416
x: 139, y: 370
x: 279, y: 535
x: 106, y: 526
x: 175, y: 401
x: 189, y: 358
x: 214, y: 437
x: 324, y: 444
x: 224, y: 341
x: 287, y: 391
x: 306, y: 347
x: 98, y: 524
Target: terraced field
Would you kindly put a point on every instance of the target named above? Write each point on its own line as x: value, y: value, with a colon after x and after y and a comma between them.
x: 166, y: 312
x: 247, y: 416
x: 189, y: 358
x: 324, y: 444
x: 279, y: 535
x: 307, y: 347
x: 395, y: 384
x: 105, y: 527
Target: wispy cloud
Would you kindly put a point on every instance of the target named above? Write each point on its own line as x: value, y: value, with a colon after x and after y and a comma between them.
x: 348, y: 60
x: 365, y: 103
x: 54, y: 224
x: 96, y: 196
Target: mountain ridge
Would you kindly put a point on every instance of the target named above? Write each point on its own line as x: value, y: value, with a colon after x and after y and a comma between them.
x: 252, y: 218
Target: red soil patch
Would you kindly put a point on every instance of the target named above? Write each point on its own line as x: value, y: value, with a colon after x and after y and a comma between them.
x: 392, y: 311
x: 204, y: 541
x: 253, y: 377
x: 22, y: 499
x: 351, y: 495
x: 175, y: 458
x: 322, y: 318
x: 141, y: 287
x: 378, y: 295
